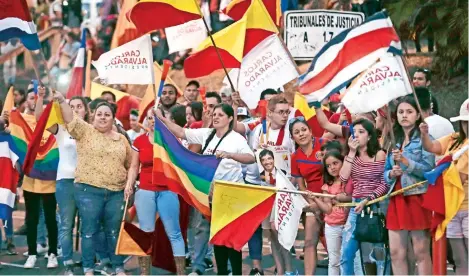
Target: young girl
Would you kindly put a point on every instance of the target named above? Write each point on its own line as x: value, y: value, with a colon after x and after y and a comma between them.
x: 335, y: 217
x: 405, y: 166
x: 282, y: 257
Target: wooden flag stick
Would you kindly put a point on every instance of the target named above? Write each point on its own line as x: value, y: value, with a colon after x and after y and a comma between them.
x: 216, y: 48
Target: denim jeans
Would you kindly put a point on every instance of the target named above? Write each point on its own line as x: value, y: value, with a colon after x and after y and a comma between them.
x: 7, y: 227
x: 255, y: 245
x: 201, y: 237
x: 350, y: 247
x: 191, y: 237
x: 166, y: 203
x: 99, y: 206
x: 67, y: 210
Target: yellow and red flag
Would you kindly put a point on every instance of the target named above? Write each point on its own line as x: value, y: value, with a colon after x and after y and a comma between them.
x: 151, y: 15
x: 237, y: 8
x: 259, y: 25
x: 238, y: 206
x: 125, y: 30
x: 230, y: 44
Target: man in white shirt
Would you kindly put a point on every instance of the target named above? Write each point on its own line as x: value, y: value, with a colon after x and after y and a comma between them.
x: 438, y: 126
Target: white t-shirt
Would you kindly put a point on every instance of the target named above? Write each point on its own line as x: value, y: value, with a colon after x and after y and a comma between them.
x: 229, y: 169
x: 272, y: 138
x: 133, y: 134
x: 68, y: 154
x: 438, y: 126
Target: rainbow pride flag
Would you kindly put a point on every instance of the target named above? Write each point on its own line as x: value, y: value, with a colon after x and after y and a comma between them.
x: 184, y: 172
x: 22, y: 129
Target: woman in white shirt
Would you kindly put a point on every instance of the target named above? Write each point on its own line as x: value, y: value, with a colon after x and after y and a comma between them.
x: 234, y: 150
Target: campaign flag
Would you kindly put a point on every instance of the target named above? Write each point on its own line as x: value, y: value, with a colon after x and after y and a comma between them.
x: 10, y: 176
x: 179, y: 169
x: 347, y: 55
x: 151, y: 15
x: 268, y: 65
x: 259, y: 25
x: 230, y: 44
x: 375, y: 87
x: 287, y: 209
x: 237, y: 8
x: 47, y: 160
x: 15, y: 21
x: 77, y: 84
x: 125, y: 30
x: 186, y: 36
x: 238, y: 206
x: 445, y: 193
x: 130, y: 63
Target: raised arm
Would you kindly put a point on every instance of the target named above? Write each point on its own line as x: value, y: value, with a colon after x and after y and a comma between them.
x: 174, y: 128
x: 346, y: 169
x: 427, y: 143
x: 325, y: 124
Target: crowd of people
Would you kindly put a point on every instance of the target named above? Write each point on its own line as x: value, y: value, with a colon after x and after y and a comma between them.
x: 350, y: 157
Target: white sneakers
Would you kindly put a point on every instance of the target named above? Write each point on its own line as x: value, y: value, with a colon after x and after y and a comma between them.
x: 30, y: 262
x: 40, y: 250
x: 52, y: 261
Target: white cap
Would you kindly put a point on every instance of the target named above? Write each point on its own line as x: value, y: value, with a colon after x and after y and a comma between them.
x: 242, y: 111
x: 463, y: 112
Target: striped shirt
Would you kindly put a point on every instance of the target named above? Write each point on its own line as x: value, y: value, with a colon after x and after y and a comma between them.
x: 367, y: 179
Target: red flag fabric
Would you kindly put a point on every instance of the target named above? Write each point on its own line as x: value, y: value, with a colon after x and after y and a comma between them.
x: 124, y: 105
x: 77, y: 83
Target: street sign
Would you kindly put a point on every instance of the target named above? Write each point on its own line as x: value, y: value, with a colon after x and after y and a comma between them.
x: 307, y: 31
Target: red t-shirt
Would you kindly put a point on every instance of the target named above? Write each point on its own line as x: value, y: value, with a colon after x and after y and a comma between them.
x: 197, y: 124
x: 145, y: 155
x: 309, y: 167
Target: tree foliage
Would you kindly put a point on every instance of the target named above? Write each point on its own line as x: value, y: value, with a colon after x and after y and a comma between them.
x: 445, y: 20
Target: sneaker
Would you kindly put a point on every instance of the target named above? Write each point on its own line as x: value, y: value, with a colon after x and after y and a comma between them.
x: 256, y: 271
x: 208, y: 264
x: 188, y: 262
x: 11, y: 249
x: 30, y: 262
x: 195, y: 273
x: 52, y: 261
x: 120, y: 272
x: 68, y: 270
x: 105, y: 269
x: 40, y: 249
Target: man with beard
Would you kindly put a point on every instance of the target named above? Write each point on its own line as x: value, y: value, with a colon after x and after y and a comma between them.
x: 168, y: 99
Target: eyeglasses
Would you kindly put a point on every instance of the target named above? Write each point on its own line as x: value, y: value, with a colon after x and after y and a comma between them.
x: 296, y: 119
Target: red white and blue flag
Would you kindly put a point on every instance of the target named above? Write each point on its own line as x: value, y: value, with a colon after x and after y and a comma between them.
x: 10, y: 176
x: 347, y: 55
x: 15, y: 21
x: 77, y: 83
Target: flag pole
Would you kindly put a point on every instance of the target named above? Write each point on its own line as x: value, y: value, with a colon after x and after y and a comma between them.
x: 412, y: 86
x: 216, y: 48
x: 389, y: 123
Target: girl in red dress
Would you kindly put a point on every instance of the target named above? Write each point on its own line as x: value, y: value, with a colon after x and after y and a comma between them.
x: 405, y: 166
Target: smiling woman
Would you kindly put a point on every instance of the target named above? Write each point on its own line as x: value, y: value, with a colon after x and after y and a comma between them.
x: 101, y: 173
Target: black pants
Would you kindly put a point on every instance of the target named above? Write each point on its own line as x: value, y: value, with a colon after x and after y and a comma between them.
x: 223, y: 254
x: 32, y: 202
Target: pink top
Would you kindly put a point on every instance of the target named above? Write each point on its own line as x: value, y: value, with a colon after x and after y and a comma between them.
x: 339, y: 215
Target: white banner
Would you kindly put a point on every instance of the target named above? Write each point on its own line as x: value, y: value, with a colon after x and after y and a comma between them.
x: 288, y: 208
x: 268, y: 65
x: 307, y: 31
x: 384, y: 81
x: 131, y: 63
x: 186, y: 36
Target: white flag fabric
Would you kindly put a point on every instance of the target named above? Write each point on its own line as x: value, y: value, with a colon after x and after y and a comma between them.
x: 384, y: 81
x: 268, y: 65
x: 186, y: 36
x: 288, y: 208
x: 131, y: 63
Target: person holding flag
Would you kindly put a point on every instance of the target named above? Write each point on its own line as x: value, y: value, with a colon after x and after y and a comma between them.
x: 457, y: 229
x: 103, y: 158
x: 406, y: 165
x: 65, y: 175
x: 233, y: 149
